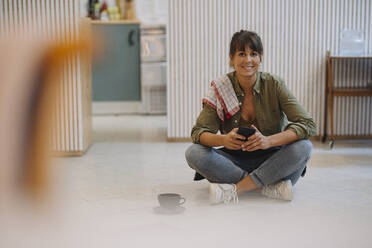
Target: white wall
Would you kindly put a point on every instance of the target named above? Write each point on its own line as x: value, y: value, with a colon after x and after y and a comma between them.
x: 296, y: 35
x: 152, y: 11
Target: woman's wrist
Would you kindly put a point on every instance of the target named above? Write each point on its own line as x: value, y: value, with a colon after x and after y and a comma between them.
x: 212, y: 140
x: 270, y: 141
x: 222, y: 139
x: 282, y: 138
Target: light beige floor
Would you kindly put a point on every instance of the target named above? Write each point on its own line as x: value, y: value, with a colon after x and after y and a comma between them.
x: 107, y: 196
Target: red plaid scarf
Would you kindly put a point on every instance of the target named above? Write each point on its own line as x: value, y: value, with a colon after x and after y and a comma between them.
x: 222, y: 97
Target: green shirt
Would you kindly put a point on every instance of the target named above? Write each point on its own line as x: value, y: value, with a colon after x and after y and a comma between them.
x: 275, y: 107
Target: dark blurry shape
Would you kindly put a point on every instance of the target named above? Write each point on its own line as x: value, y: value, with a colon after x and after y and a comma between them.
x: 91, y: 9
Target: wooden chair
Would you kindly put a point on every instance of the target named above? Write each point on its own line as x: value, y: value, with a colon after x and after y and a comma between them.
x: 331, y: 92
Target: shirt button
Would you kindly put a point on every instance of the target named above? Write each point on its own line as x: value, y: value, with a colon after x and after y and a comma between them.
x: 236, y: 121
x: 243, y: 94
x: 240, y: 103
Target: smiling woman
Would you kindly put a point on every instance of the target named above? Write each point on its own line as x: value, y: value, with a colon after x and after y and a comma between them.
x: 245, y: 57
x: 275, y: 156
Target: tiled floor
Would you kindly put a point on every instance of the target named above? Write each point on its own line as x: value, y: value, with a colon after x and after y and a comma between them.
x: 109, y: 196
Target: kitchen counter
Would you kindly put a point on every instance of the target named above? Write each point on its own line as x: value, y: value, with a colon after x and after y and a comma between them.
x: 134, y: 21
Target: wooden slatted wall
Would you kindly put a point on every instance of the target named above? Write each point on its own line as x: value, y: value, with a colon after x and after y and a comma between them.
x: 296, y: 35
x: 57, y: 20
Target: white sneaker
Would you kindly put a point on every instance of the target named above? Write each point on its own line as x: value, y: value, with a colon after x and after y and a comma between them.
x: 225, y: 193
x: 281, y: 190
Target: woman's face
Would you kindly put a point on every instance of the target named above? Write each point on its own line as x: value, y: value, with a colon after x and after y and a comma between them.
x: 246, y: 62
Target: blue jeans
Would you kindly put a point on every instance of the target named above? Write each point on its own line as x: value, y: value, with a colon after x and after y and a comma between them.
x: 219, y: 166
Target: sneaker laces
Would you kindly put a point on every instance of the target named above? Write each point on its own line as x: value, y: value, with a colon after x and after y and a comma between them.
x: 230, y: 195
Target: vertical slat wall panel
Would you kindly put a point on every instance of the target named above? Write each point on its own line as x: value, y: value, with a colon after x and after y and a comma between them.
x: 56, y: 20
x: 296, y: 35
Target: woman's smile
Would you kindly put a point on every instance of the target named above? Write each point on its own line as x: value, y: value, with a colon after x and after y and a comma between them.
x: 248, y: 68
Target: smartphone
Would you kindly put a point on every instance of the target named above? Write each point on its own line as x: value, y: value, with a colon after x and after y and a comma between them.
x: 246, y: 132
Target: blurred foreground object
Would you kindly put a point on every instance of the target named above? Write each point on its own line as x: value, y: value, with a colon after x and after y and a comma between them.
x: 30, y: 72
x: 45, y: 107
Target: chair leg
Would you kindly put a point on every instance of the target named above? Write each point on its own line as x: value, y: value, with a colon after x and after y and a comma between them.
x: 326, y: 110
x: 331, y: 113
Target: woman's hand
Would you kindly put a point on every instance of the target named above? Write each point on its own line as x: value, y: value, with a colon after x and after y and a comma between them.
x: 256, y: 141
x: 231, y: 140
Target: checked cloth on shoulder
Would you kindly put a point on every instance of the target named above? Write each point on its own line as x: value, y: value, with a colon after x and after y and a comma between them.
x: 222, y: 97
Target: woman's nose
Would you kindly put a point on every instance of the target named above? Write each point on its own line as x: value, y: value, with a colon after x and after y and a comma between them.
x: 248, y: 58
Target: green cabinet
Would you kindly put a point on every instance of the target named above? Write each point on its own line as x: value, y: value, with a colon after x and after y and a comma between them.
x: 116, y: 75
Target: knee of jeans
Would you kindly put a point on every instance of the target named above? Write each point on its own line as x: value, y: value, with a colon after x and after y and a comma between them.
x: 303, y: 148
x: 194, y: 153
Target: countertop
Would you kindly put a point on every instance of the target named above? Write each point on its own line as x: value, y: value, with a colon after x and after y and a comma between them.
x: 134, y: 21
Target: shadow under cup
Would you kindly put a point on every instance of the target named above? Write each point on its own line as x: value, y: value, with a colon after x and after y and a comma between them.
x: 170, y: 200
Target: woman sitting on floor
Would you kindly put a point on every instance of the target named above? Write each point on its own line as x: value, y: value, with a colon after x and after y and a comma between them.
x: 275, y: 156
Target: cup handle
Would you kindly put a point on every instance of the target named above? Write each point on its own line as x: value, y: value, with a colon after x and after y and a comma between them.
x: 182, y: 201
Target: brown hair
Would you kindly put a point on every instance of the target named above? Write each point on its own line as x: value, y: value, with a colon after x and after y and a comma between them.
x: 245, y: 38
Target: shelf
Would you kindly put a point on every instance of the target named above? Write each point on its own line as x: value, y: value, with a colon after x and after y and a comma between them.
x: 352, y: 91
x: 365, y: 56
x: 331, y: 91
